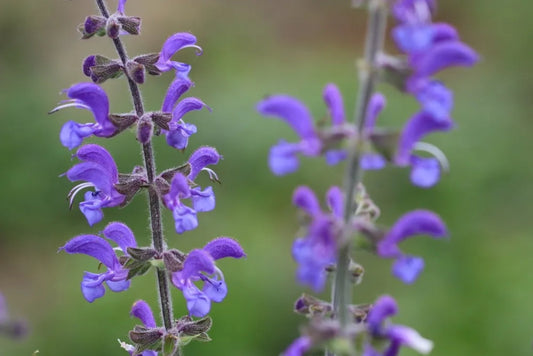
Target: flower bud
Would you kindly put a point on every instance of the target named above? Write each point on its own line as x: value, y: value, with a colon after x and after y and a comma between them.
x: 93, y: 25
x: 130, y: 24
x: 145, y: 129
x: 112, y: 27
x: 135, y: 71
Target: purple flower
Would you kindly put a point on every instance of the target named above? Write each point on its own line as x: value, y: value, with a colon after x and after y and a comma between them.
x: 99, y: 171
x: 202, y: 200
x: 298, y: 347
x: 115, y: 277
x: 178, y: 135
x: 372, y: 160
x: 283, y: 157
x: 318, y: 249
x: 141, y: 310
x: 397, y: 335
x: 91, y: 97
x: 200, y: 266
x: 173, y: 44
x: 417, y: 222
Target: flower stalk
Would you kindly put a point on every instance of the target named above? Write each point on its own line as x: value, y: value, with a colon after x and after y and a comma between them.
x: 368, y: 75
x: 153, y: 199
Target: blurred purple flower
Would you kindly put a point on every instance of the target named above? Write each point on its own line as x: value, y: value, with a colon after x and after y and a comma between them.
x: 200, y: 266
x: 298, y: 347
x: 397, y: 335
x: 417, y: 222
x: 99, y: 171
x: 91, y: 97
x: 115, y: 277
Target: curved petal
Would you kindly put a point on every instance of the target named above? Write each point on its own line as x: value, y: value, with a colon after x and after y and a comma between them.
x: 383, y: 308
x: 98, y: 154
x: 425, y: 172
x: 93, y: 246
x: 187, y: 105
x: 292, y: 111
x: 407, y: 268
x: 94, y: 173
x: 305, y: 199
x: 417, y: 222
x: 435, y: 98
x: 72, y: 133
x: 222, y: 247
x: 414, y: 11
x: 411, y: 338
x: 95, y: 98
x: 333, y: 98
x: 121, y: 235
x: 197, y: 261
x: 176, y: 89
x: 203, y: 200
x: 91, y: 287
x: 179, y: 139
x: 179, y: 189
x: 335, y: 199
x: 443, y: 55
x: 201, y: 158
x: 141, y: 310
x: 416, y: 128
x: 120, y: 7
x: 173, y: 44
x: 444, y: 32
x: 375, y: 106
x: 282, y: 158
x: 118, y: 286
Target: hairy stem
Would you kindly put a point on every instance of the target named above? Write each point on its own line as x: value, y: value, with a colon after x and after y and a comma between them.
x: 342, y: 292
x: 153, y: 199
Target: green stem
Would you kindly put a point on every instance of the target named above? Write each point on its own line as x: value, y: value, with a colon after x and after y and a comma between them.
x: 368, y: 76
x: 153, y: 199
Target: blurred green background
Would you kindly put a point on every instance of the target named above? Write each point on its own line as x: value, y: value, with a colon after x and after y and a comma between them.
x: 474, y: 297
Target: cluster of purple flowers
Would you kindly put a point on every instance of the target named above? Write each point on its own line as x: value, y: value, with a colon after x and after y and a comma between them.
x: 98, y: 172
x: 427, y: 48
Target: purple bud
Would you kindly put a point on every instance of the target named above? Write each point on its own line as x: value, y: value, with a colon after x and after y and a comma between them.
x: 145, y: 129
x: 135, y: 71
x: 87, y: 64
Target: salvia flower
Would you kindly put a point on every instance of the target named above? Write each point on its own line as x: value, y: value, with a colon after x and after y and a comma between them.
x: 172, y: 45
x: 116, y: 276
x: 199, y: 266
x: 179, y: 131
x: 318, y: 248
x: 397, y: 335
x: 180, y: 189
x: 91, y: 97
x: 283, y: 157
x: 141, y: 310
x: 99, y: 171
x: 417, y: 222
x: 298, y: 347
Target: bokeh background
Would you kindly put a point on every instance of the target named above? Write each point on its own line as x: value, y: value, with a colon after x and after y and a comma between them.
x: 474, y: 297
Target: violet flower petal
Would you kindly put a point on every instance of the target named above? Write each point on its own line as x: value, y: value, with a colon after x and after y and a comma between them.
x: 222, y: 247
x: 383, y: 308
x: 203, y: 200
x: 197, y: 261
x: 334, y: 157
x: 179, y: 189
x: 118, y: 286
x: 375, y: 106
x: 415, y: 129
x: 187, y: 105
x: 91, y: 208
x: 443, y: 55
x: 141, y: 310
x: 121, y: 235
x: 98, y: 154
x: 425, y: 172
x: 175, y: 90
x: 184, y: 219
x: 372, y: 161
x: 91, y: 288
x: 411, y: 338
x: 94, y: 173
x: 282, y: 158
x: 216, y: 290
x: 173, y: 44
x: 93, y: 246
x: 95, y: 98
x: 333, y: 98
x: 201, y: 158
x: 335, y: 199
x: 120, y: 7
x: 298, y: 347
x: 408, y: 268
x: 73, y: 133
x: 198, y: 303
x: 292, y: 111
x: 305, y: 199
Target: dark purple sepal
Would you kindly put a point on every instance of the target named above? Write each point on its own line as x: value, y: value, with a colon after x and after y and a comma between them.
x: 148, y: 61
x: 222, y: 247
x: 130, y: 24
x: 145, y: 129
